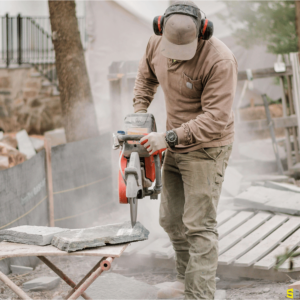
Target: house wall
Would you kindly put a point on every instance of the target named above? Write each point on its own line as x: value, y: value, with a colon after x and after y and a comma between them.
x: 115, y: 34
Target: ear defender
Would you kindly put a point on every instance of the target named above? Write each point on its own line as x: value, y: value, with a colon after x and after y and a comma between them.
x: 158, y: 23
x: 206, y: 29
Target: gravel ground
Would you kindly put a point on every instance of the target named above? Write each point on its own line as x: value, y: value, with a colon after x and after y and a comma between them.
x: 236, y: 289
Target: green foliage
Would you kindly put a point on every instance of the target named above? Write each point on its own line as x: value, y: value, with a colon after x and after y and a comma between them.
x: 272, y: 23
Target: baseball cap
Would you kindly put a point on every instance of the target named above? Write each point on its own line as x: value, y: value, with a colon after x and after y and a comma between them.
x: 180, y: 34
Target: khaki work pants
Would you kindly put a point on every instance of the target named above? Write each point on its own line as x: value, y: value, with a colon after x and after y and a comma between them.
x: 192, y: 185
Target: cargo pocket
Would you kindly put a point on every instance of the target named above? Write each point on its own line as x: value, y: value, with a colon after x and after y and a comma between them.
x: 191, y: 88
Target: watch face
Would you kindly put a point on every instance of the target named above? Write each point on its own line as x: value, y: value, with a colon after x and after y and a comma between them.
x: 171, y: 136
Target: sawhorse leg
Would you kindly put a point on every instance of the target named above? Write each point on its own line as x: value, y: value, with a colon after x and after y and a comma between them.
x: 14, y: 287
x: 79, y: 289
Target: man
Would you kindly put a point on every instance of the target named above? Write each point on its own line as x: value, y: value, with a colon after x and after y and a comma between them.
x: 199, y: 79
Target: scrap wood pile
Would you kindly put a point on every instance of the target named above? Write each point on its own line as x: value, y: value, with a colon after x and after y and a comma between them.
x: 15, y: 148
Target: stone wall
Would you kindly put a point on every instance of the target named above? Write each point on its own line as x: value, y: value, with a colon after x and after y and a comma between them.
x: 28, y: 101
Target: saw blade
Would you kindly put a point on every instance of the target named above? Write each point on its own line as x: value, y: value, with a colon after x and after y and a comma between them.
x: 133, y: 210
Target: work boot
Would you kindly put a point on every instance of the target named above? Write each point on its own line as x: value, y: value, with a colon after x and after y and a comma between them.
x: 171, y: 290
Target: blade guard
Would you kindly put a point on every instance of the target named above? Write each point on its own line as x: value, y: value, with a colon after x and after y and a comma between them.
x: 149, y: 172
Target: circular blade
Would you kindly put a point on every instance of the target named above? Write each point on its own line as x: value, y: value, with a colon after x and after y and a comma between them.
x: 133, y: 210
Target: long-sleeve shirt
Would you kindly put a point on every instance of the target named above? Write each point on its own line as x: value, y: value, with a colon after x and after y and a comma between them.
x: 198, y: 93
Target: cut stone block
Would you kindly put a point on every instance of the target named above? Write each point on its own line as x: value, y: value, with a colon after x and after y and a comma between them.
x: 41, y: 284
x: 32, y: 235
x: 24, y: 144
x: 116, y: 286
x: 79, y: 239
x: 20, y: 269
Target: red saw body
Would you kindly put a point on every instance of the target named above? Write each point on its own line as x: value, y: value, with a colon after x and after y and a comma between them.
x: 138, y: 170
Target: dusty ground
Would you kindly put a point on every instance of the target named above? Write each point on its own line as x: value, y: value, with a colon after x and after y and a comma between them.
x: 236, y: 289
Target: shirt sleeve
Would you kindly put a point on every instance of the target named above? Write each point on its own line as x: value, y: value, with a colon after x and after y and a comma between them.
x: 216, y: 99
x: 145, y: 84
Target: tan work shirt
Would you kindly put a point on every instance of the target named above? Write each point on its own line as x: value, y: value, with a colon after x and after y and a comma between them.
x: 198, y: 92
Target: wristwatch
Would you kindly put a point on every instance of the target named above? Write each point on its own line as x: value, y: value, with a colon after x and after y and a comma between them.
x: 171, y: 138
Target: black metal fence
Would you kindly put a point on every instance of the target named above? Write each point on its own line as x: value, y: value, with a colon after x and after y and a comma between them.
x: 28, y: 40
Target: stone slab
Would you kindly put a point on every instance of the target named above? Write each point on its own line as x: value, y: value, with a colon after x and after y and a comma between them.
x: 79, y: 239
x: 8, y: 249
x: 116, y: 286
x: 20, y: 269
x: 31, y: 235
x: 41, y: 284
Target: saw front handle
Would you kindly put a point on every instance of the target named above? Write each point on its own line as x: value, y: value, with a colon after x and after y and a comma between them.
x: 121, y: 138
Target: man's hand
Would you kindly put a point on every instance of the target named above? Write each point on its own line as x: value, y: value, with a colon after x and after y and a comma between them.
x: 154, y: 142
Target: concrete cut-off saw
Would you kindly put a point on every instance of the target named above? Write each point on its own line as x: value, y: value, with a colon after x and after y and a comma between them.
x: 137, y: 168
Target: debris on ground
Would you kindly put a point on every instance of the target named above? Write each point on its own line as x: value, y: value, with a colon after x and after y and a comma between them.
x: 78, y: 239
x: 116, y: 286
x: 56, y: 136
x: 15, y: 148
x: 20, y: 269
x: 14, y: 156
x: 24, y: 144
x: 41, y: 284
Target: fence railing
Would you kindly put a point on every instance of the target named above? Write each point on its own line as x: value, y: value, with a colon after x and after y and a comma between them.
x: 27, y: 40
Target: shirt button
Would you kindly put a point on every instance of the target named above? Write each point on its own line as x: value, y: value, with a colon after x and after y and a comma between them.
x: 189, y: 85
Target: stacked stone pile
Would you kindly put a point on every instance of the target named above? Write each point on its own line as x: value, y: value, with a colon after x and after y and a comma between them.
x: 28, y: 101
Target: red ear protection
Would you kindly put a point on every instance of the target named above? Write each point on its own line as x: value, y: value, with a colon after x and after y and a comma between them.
x: 158, y: 25
x: 206, y: 30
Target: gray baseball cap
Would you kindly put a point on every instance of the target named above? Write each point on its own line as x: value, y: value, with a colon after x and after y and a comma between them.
x: 181, y: 29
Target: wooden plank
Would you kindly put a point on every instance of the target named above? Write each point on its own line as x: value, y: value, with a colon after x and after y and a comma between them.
x: 49, y: 182
x: 21, y: 250
x: 234, y: 222
x: 270, y: 199
x: 251, y: 240
x: 265, y: 73
x: 242, y: 231
x: 225, y: 216
x: 269, y: 243
x: 269, y: 261
x: 286, y: 266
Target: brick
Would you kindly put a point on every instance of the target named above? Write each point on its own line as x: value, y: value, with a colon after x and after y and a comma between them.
x: 32, y: 85
x: 4, y: 82
x: 29, y: 93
